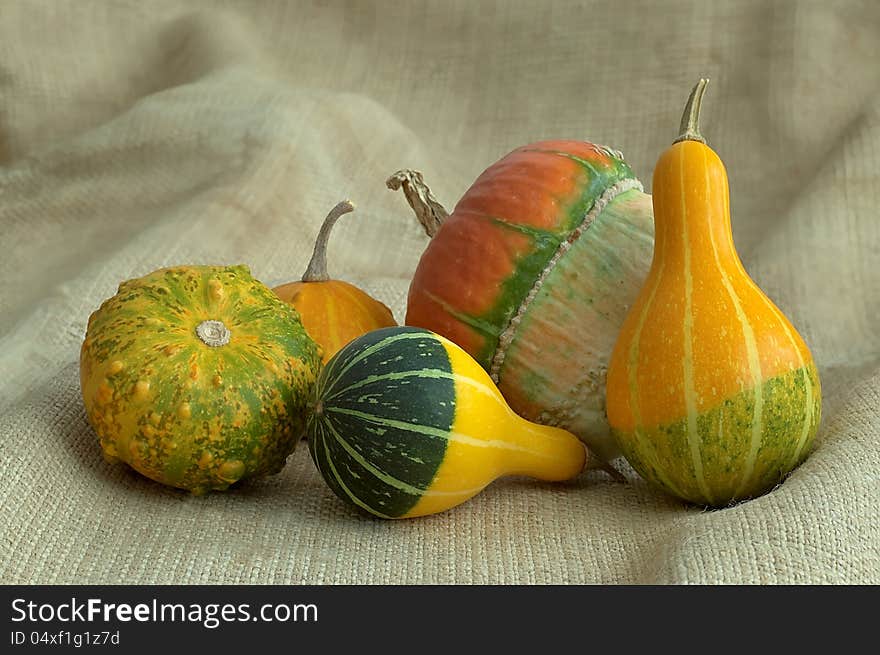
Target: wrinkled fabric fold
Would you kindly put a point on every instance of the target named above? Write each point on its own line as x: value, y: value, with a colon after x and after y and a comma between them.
x: 139, y: 136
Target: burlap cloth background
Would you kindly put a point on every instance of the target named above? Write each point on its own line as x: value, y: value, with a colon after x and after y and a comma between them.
x: 135, y: 135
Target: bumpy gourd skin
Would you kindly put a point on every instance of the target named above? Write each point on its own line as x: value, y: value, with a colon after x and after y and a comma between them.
x: 185, y: 413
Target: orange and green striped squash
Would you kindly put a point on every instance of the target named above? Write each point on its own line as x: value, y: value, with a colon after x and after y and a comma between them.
x: 333, y: 312
x: 407, y: 424
x: 712, y: 393
x: 197, y: 376
x: 533, y: 273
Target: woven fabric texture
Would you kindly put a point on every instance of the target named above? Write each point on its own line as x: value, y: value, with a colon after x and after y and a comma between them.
x: 139, y: 135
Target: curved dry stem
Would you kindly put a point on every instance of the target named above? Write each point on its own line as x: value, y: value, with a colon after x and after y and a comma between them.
x: 430, y: 213
x: 317, y: 268
x: 690, y: 119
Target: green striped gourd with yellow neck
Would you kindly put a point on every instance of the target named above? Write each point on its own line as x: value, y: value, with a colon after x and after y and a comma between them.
x: 712, y: 393
x: 408, y: 424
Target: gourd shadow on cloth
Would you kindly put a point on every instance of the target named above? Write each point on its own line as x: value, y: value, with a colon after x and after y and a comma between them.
x: 592, y: 487
x: 596, y: 485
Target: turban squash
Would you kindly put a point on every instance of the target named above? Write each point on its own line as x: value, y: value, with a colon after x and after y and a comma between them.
x: 533, y: 273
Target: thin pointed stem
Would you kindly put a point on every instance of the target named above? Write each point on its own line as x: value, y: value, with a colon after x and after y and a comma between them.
x: 690, y: 119
x: 317, y: 268
x: 430, y: 213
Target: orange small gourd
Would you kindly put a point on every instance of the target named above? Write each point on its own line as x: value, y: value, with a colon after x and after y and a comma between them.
x: 712, y: 394
x: 333, y: 312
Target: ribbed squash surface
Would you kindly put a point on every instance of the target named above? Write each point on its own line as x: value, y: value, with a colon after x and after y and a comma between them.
x: 533, y: 273
x: 501, y: 236
x: 186, y: 413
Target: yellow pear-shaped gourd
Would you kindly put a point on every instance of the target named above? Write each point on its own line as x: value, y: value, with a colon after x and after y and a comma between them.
x: 712, y: 394
x: 406, y: 424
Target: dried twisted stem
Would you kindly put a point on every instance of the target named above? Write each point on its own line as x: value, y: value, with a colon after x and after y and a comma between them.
x: 428, y: 210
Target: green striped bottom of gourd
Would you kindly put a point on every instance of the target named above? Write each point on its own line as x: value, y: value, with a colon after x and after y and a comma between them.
x: 385, y: 404
x: 789, y: 419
